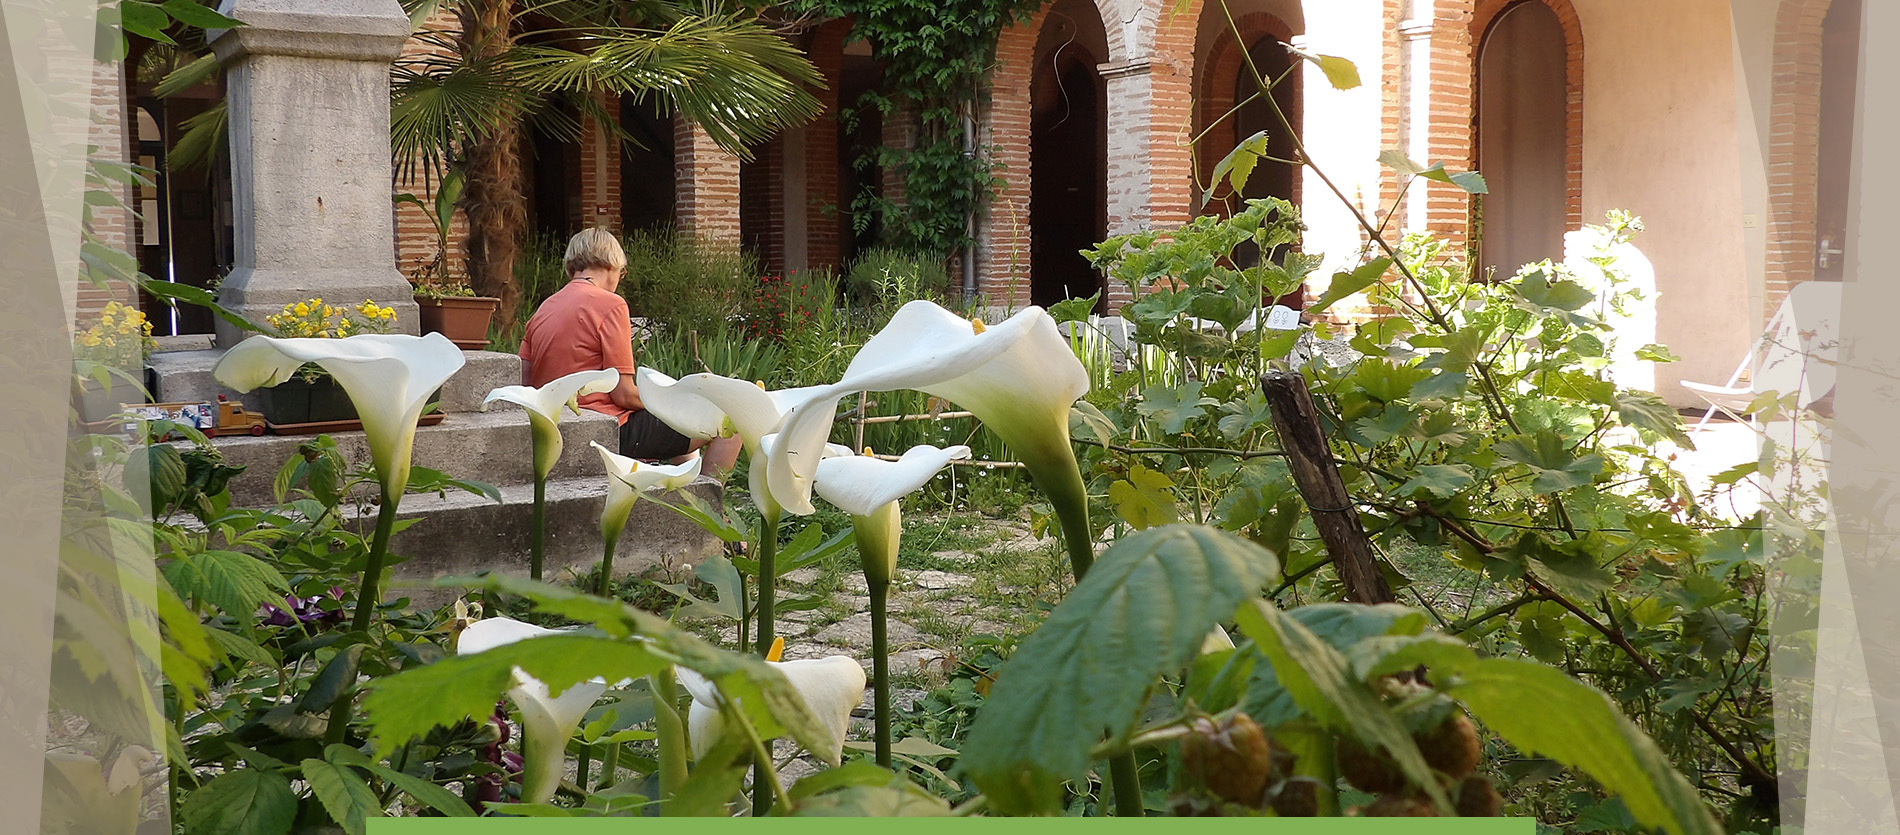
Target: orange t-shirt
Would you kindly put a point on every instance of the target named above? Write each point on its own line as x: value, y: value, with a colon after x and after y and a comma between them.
x: 580, y: 328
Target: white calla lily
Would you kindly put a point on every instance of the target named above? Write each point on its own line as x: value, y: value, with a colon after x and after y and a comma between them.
x: 1018, y: 377
x: 832, y: 687
x: 544, y: 407
x: 869, y: 488
x: 626, y: 480
x: 547, y: 720
x: 710, y: 406
x: 389, y: 377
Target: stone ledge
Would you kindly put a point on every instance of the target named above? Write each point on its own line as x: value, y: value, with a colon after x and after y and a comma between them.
x: 185, y: 376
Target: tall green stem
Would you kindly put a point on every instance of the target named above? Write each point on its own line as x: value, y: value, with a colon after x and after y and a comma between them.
x: 537, y: 526
x: 368, y: 595
x: 606, y: 585
x: 768, y: 590
x: 671, y: 731
x: 881, y: 670
x: 768, y: 581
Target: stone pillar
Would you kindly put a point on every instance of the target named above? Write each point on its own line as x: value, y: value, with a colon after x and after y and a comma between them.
x: 309, y: 113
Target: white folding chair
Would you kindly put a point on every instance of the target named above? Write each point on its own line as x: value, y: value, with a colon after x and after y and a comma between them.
x: 1796, y: 352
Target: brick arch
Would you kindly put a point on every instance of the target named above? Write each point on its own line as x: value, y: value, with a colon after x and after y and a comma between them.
x: 1793, y: 147
x: 1003, y: 263
x: 1215, y: 71
x: 1484, y: 15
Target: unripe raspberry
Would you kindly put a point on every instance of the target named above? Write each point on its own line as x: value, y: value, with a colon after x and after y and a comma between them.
x: 1231, y: 758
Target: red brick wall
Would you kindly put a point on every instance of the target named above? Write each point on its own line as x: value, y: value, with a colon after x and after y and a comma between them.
x: 1793, y: 147
x: 415, y: 234
x: 706, y: 197
x: 1221, y: 64
x: 1003, y: 268
x: 112, y: 225
x: 597, y: 189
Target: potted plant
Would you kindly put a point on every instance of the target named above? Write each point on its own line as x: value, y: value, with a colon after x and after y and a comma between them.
x: 105, y: 355
x: 447, y: 305
x: 312, y: 396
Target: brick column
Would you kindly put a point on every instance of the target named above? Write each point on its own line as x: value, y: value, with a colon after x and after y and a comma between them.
x: 112, y: 121
x: 1002, y: 264
x: 599, y: 190
x: 706, y: 194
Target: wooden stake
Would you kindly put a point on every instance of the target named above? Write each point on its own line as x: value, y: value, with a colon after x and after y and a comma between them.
x: 1296, y: 420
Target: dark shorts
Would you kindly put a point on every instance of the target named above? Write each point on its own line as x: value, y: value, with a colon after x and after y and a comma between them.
x: 643, y: 436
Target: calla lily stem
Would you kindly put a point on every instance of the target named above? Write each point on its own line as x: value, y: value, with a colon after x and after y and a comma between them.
x: 765, y: 784
x: 671, y: 732
x: 606, y: 586
x: 762, y: 772
x: 368, y: 595
x: 538, y: 525
x: 881, y: 670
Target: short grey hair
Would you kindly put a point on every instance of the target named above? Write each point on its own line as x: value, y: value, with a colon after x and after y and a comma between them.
x: 594, y: 247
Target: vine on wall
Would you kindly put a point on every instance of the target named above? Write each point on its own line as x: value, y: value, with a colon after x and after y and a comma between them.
x: 937, y: 56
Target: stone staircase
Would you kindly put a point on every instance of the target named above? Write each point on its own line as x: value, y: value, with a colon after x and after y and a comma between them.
x: 460, y: 533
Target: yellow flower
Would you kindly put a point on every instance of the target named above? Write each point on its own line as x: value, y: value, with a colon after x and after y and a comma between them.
x: 302, y: 309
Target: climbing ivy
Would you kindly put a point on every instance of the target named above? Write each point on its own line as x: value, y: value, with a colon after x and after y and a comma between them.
x: 936, y: 56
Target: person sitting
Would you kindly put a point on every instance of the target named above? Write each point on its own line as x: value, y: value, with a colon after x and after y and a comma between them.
x: 585, y: 327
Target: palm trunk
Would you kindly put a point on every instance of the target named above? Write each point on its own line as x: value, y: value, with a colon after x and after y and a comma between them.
x: 492, y: 199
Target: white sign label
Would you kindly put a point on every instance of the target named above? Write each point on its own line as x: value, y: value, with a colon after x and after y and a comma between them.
x: 1283, y: 318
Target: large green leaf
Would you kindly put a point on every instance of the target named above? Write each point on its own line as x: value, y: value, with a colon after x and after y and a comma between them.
x: 343, y: 793
x: 1173, y: 406
x: 1556, y: 468
x: 1141, y: 611
x: 1145, y: 499
x: 247, y: 801
x: 1237, y: 166
x: 1347, y: 283
x: 234, y: 583
x: 1542, y: 711
x: 1322, y: 682
x: 1562, y: 294
x: 430, y: 794
x: 1645, y: 410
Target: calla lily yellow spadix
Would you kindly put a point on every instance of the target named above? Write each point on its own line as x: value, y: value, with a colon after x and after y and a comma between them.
x: 832, y: 687
x: 547, y: 720
x: 544, y: 407
x: 626, y: 480
x: 869, y: 489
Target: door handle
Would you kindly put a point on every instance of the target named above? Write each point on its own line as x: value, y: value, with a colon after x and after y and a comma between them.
x: 1824, y: 251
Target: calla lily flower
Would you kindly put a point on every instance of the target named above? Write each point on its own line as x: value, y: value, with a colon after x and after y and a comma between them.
x: 711, y: 406
x: 832, y: 687
x: 626, y: 480
x: 388, y: 376
x: 869, y: 488
x: 1018, y: 377
x: 547, y: 720
x: 544, y: 406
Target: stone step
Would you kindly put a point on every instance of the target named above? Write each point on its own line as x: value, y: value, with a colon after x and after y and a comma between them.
x: 494, y: 446
x: 185, y: 377
x: 461, y: 533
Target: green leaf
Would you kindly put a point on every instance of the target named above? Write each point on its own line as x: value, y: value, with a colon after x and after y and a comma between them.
x: 1347, y: 283
x: 343, y: 793
x: 1240, y: 417
x: 1074, y: 310
x: 1654, y: 352
x: 1470, y: 181
x: 190, y: 13
x: 334, y: 681
x: 1145, y: 500
x: 1440, y: 481
x: 246, y: 801
x: 1141, y: 611
x: 230, y: 581
x: 1646, y: 411
x: 145, y: 20
x: 1547, y: 456
x: 1087, y: 421
x: 429, y: 794
x: 1341, y: 73
x: 1542, y: 711
x: 1173, y: 407
x: 1321, y: 681
x: 1237, y: 167
x: 1563, y: 294
x: 898, y: 799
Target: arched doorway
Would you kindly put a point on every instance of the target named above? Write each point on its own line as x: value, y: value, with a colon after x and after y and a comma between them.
x: 1269, y: 178
x: 647, y: 178
x: 1523, y: 137
x: 1068, y: 156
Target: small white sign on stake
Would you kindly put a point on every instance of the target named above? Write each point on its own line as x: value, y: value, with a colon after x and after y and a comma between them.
x: 1283, y: 318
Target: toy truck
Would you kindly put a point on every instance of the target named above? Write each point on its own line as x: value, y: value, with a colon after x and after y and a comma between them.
x: 233, y: 418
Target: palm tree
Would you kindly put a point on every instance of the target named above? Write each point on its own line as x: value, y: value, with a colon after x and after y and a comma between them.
x: 507, y: 64
x: 511, y: 63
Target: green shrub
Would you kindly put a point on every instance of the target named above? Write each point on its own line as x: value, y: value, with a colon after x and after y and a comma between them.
x: 881, y: 275
x: 684, y: 284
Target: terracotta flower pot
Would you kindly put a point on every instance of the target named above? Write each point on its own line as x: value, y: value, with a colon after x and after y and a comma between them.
x: 463, y: 319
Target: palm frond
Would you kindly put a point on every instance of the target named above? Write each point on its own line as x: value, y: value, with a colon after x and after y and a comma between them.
x: 200, y: 70
x: 205, y: 135
x: 732, y: 76
x: 439, y: 104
